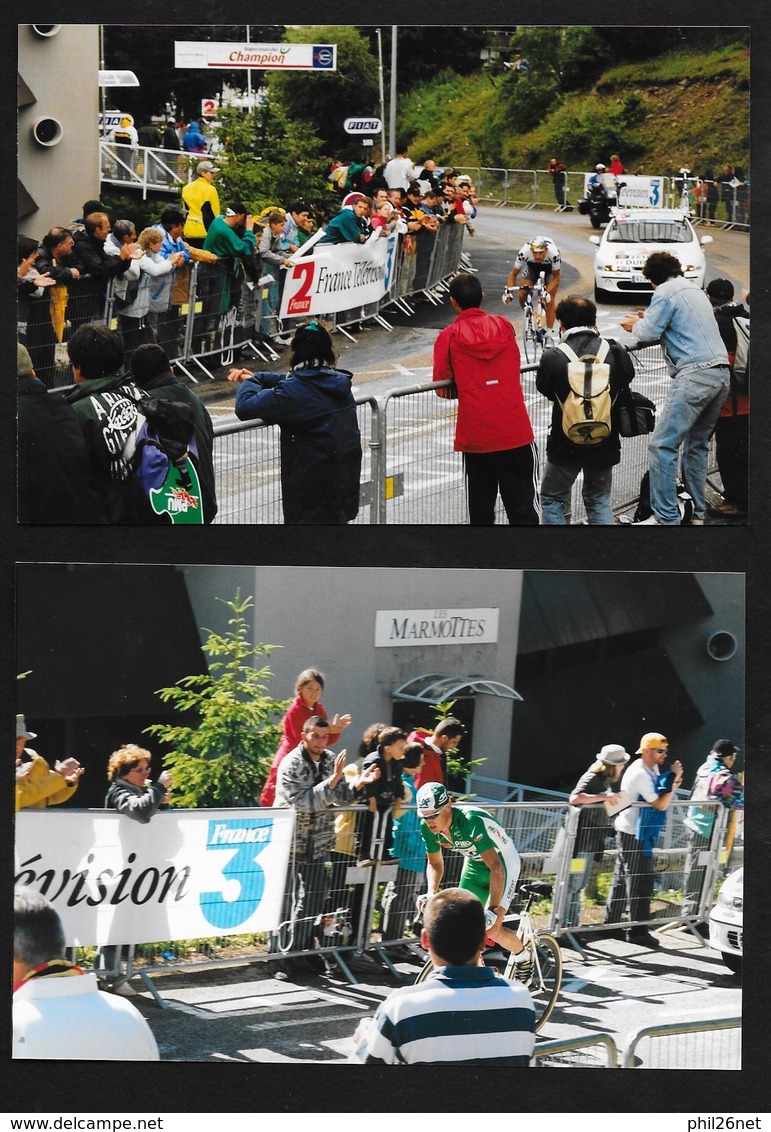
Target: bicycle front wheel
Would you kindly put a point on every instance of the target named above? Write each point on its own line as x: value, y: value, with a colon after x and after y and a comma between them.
x: 529, y: 344
x: 547, y: 978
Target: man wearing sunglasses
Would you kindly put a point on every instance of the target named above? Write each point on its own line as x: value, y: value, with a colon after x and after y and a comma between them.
x: 636, y: 833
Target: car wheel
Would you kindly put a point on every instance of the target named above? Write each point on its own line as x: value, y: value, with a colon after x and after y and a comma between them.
x: 732, y: 962
x: 601, y: 295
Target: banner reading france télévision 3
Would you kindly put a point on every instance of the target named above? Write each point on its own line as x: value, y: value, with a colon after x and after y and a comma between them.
x: 339, y: 277
x: 189, y: 874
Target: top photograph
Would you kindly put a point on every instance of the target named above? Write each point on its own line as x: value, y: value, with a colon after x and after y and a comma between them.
x: 341, y: 274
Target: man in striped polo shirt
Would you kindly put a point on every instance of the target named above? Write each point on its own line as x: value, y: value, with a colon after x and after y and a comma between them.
x: 463, y: 1014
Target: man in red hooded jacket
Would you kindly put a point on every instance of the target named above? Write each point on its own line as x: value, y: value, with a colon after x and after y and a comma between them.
x: 479, y: 352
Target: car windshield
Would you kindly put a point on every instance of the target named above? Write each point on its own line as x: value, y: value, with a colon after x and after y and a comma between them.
x: 650, y: 232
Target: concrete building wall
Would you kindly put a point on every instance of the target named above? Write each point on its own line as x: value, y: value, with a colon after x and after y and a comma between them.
x: 61, y: 71
x: 325, y: 618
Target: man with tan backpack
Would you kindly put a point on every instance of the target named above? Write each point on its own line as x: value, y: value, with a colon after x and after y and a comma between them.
x: 583, y: 377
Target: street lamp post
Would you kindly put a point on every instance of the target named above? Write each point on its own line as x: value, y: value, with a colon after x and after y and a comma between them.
x: 382, y: 94
x: 392, y: 108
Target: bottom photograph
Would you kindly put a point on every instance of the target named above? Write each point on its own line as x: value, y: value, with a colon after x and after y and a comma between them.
x: 379, y: 816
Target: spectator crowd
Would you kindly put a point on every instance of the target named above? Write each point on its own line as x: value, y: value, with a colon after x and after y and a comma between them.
x: 363, y: 813
x: 88, y: 474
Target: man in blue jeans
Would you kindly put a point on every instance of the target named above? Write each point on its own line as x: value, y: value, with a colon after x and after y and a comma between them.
x: 680, y: 317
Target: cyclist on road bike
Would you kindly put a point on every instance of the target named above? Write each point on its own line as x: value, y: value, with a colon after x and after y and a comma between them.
x: 540, y: 254
x: 491, y: 866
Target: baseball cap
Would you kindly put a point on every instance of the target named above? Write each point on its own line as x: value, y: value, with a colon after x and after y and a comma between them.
x: 431, y: 798
x: 722, y: 289
x: 724, y: 748
x: 21, y: 729
x: 205, y: 167
x: 652, y: 739
x: 612, y: 754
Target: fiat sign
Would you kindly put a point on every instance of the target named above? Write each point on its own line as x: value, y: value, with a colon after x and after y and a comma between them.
x: 362, y: 125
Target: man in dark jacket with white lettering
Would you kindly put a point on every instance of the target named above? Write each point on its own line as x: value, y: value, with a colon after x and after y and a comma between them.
x: 564, y: 458
x: 106, y: 403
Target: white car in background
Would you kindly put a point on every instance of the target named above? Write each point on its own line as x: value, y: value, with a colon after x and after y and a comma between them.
x: 726, y: 921
x: 631, y: 236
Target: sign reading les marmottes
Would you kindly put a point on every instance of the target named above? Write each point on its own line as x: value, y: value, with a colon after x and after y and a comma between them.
x: 400, y: 628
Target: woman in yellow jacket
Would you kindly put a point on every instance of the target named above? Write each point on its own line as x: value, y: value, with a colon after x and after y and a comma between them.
x: 37, y: 786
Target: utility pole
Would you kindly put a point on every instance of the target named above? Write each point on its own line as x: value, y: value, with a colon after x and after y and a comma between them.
x: 392, y: 124
x: 382, y: 94
x: 248, y: 79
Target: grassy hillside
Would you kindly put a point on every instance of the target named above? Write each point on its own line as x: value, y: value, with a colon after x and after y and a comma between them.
x: 656, y: 114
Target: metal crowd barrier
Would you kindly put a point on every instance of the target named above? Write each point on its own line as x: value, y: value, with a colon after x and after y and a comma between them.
x: 370, y: 896
x: 598, y: 1051
x: 534, y: 189
x: 411, y: 473
x: 706, y: 1044
x: 713, y: 1043
x: 217, y: 315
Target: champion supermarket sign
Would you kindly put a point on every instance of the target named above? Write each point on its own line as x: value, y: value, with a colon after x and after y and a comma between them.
x: 339, y: 277
x: 189, y: 874
x: 256, y: 56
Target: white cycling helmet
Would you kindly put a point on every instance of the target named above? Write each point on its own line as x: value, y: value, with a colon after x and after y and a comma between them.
x: 431, y: 798
x: 600, y: 168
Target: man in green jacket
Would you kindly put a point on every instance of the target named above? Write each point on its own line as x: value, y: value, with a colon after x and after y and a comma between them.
x: 231, y: 238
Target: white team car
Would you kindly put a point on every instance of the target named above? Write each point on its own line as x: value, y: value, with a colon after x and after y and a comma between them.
x: 631, y: 236
x: 726, y: 921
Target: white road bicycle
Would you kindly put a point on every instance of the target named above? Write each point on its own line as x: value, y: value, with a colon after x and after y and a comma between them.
x: 534, y: 320
x: 546, y: 980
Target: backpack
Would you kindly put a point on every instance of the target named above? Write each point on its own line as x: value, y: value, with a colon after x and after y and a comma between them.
x: 635, y: 414
x: 684, y: 502
x: 741, y: 366
x: 586, y: 409
x: 120, y: 137
x: 165, y: 462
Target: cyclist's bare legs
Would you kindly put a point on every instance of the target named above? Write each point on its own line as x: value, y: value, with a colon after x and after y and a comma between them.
x: 505, y: 936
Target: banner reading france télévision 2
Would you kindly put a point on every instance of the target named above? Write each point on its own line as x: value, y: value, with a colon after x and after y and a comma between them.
x: 339, y: 277
x: 189, y: 874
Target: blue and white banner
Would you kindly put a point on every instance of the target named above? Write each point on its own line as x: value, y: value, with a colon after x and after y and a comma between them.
x: 339, y: 277
x: 641, y: 192
x: 189, y: 874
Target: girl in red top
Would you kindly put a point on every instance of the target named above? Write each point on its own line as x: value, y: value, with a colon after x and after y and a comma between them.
x: 308, y: 687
